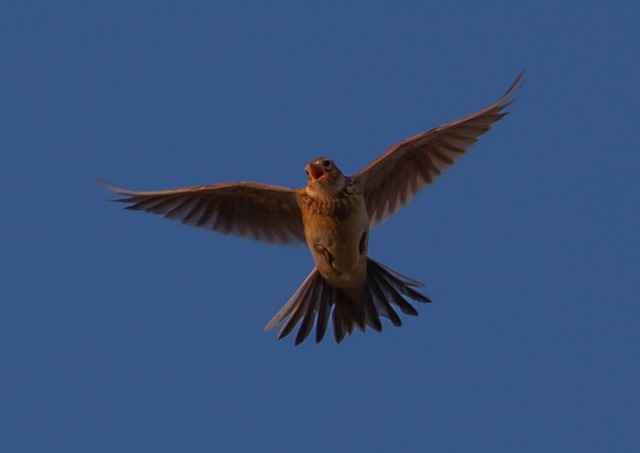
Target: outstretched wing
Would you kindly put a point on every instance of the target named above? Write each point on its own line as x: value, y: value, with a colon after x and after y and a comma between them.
x: 257, y: 211
x: 393, y: 179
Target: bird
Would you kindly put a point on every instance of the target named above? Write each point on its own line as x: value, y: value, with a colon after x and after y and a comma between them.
x: 333, y: 215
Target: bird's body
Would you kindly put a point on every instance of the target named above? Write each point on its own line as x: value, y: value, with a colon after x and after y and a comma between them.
x: 333, y: 215
x: 336, y: 227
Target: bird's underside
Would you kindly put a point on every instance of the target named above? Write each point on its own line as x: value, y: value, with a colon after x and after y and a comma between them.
x: 333, y: 215
x: 316, y: 301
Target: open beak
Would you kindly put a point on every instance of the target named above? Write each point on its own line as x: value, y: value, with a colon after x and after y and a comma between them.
x: 315, y: 171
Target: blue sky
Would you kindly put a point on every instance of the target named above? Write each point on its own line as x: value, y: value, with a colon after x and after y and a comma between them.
x: 121, y: 331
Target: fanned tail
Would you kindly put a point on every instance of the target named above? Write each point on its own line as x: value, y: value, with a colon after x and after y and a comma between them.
x: 316, y: 302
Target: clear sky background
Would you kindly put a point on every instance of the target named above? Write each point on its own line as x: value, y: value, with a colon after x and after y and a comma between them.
x: 122, y: 331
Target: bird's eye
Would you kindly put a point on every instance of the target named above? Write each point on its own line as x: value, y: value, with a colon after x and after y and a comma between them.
x: 326, y: 163
x: 306, y: 172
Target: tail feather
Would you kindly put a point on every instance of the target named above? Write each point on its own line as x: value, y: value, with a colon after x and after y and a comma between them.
x: 395, y: 275
x: 353, y: 313
x: 383, y: 293
x: 371, y: 314
x: 324, y: 311
x: 347, y: 315
x: 302, y: 301
x: 313, y: 302
x: 339, y: 324
x: 394, y: 296
x: 416, y: 295
x: 291, y: 304
x: 316, y: 301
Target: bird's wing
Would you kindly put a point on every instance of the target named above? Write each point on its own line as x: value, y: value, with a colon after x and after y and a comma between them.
x: 257, y: 211
x: 391, y: 180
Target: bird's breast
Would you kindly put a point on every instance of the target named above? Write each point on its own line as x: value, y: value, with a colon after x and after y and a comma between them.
x: 336, y: 232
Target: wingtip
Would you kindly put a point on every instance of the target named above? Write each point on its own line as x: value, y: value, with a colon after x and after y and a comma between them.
x: 515, y: 86
x: 110, y: 186
x: 103, y: 182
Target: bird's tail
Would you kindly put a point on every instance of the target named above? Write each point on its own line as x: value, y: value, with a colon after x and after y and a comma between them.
x: 315, y: 302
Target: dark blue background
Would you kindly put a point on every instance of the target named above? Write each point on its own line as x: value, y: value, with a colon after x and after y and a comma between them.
x: 121, y: 331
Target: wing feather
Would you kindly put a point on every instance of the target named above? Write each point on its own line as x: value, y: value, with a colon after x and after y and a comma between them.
x: 257, y: 211
x: 393, y: 179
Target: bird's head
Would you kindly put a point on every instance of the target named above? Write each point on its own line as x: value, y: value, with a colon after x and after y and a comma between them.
x: 323, y: 177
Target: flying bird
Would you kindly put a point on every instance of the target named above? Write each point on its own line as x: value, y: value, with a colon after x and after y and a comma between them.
x: 333, y: 215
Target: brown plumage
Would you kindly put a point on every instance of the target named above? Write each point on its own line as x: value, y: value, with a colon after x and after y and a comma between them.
x: 333, y: 215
